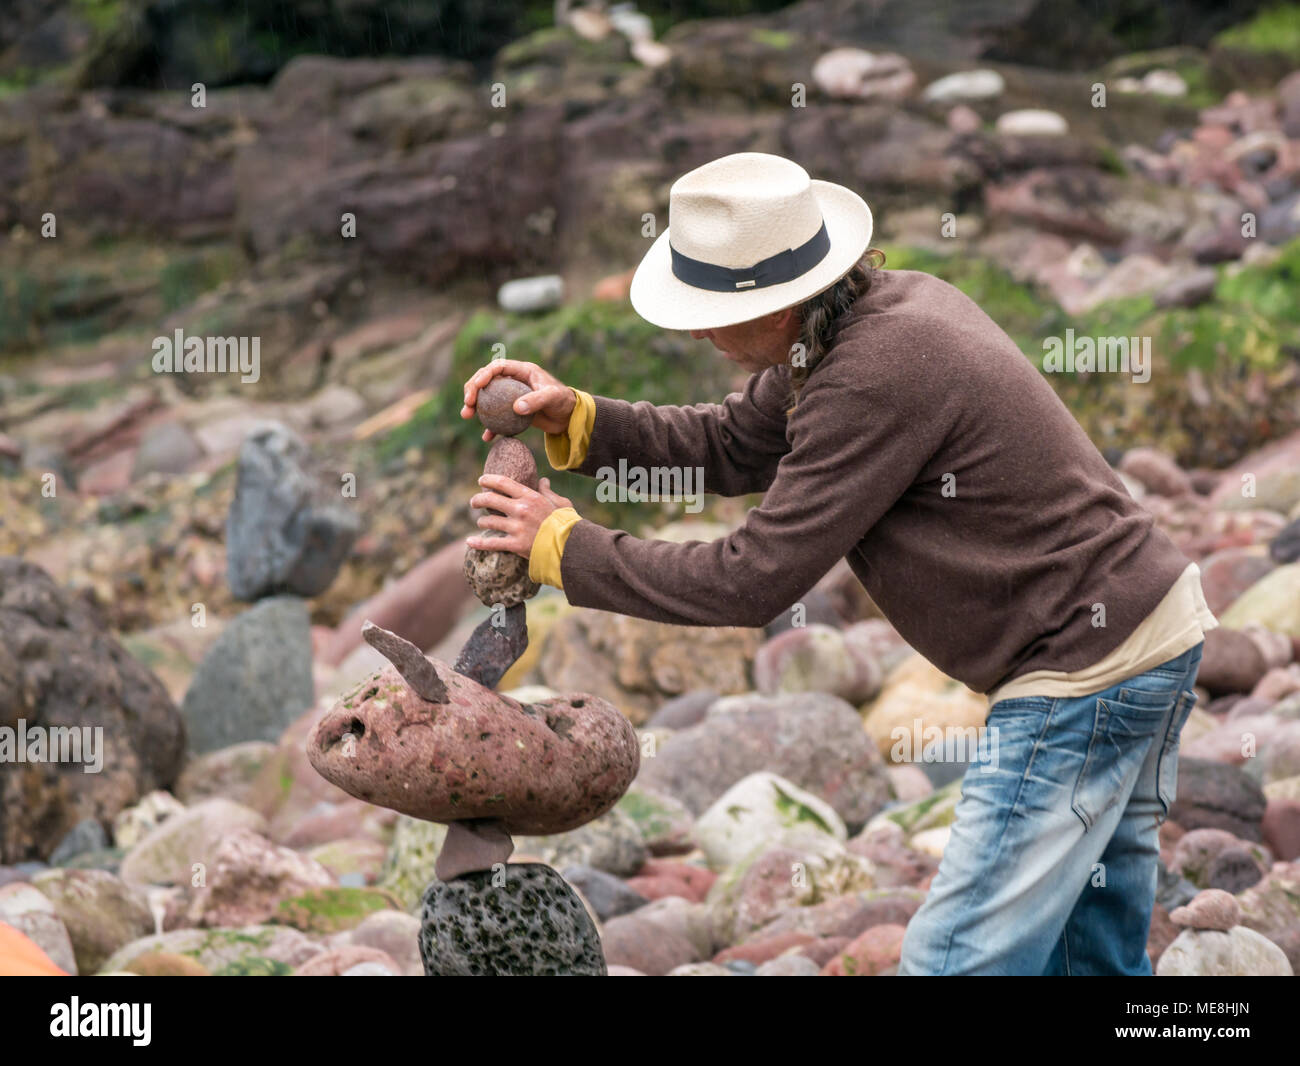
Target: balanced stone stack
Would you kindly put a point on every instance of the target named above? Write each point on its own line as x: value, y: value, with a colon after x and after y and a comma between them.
x: 435, y: 742
x: 287, y: 535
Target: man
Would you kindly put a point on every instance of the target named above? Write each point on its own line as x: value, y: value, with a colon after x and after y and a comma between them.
x: 889, y: 420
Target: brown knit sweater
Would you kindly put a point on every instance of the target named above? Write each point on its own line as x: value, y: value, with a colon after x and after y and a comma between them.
x: 927, y: 450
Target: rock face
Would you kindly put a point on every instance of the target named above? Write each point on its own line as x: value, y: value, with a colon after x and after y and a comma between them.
x: 279, y: 537
x: 255, y: 680
x: 535, y: 768
x: 532, y: 924
x: 59, y: 669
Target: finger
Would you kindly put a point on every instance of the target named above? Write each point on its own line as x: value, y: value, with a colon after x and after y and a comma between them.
x: 488, y: 434
x: 513, y: 368
x: 494, y: 501
x: 497, y: 544
x: 507, y: 486
x: 534, y: 401
x: 496, y: 521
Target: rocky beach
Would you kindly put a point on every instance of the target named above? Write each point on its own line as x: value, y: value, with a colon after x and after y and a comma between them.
x: 210, y: 764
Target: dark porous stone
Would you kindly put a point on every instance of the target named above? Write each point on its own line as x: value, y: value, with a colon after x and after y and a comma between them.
x: 498, y: 577
x: 495, y: 406
x: 531, y: 924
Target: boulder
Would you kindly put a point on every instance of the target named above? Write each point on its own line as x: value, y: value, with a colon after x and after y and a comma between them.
x: 1272, y: 602
x: 29, y: 911
x: 281, y: 537
x: 1239, y: 952
x: 813, y: 740
x: 761, y: 809
x: 1212, y: 795
x: 101, y: 912
x: 816, y: 658
x: 525, y: 923
x: 247, y: 878
x: 637, y: 664
x: 1230, y: 662
x: 638, y: 942
x: 868, y: 955
x: 246, y: 950
x: 255, y: 680
x: 535, y: 768
x: 1229, y: 572
x: 611, y: 843
x: 916, y: 699
x: 62, y: 674
x: 175, y: 851
x: 1272, y: 907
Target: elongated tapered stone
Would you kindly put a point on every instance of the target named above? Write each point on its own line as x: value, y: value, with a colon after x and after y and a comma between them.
x: 491, y: 649
x: 409, y: 660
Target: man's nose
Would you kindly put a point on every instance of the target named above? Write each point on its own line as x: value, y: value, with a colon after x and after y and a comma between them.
x: 699, y: 334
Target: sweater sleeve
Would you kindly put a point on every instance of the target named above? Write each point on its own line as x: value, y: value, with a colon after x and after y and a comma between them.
x: 737, y: 443
x: 859, y: 443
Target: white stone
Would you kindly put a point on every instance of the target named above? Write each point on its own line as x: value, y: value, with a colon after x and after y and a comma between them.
x: 852, y: 73
x: 1240, y: 952
x: 759, y: 811
x: 531, y: 294
x: 966, y: 85
x: 1032, y: 122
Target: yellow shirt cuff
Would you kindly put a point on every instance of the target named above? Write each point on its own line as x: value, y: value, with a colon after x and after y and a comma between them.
x: 568, y: 449
x: 548, y: 546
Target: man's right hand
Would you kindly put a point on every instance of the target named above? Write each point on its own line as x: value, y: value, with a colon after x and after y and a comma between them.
x: 550, y: 403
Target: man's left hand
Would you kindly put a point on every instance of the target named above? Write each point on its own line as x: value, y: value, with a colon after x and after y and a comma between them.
x: 522, y: 513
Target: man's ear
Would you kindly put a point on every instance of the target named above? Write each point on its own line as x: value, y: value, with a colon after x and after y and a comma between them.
x: 782, y: 319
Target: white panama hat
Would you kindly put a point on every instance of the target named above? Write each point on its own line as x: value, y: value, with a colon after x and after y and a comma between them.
x: 748, y: 234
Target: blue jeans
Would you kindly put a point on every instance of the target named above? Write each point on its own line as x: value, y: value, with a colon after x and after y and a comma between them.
x: 1051, y: 865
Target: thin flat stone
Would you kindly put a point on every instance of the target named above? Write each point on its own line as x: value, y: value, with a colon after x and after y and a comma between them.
x: 470, y: 847
x: 409, y: 660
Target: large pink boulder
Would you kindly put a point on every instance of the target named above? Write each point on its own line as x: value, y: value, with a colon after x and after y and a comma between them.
x: 535, y: 769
